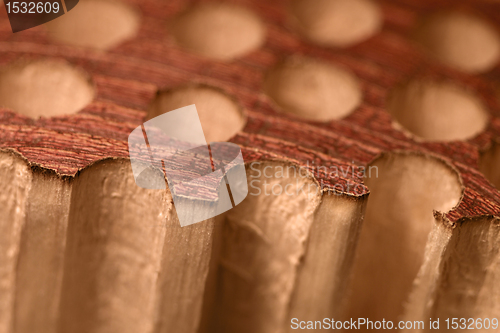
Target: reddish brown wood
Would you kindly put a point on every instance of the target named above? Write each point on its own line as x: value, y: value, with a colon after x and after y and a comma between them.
x: 128, y: 77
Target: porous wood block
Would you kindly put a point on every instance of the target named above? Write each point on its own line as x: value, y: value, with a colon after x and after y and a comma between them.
x: 370, y: 132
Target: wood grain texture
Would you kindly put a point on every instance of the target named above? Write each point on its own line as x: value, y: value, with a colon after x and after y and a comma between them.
x: 129, y: 78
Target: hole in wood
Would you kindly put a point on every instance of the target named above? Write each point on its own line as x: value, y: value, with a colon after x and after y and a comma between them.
x: 128, y: 265
x: 219, y: 30
x: 399, y: 217
x: 437, y: 111
x: 221, y: 118
x: 39, y: 271
x: 15, y: 177
x: 44, y: 88
x: 98, y: 24
x: 258, y: 252
x: 324, y: 271
x: 312, y: 89
x: 460, y: 40
x: 469, y: 271
x: 340, y: 23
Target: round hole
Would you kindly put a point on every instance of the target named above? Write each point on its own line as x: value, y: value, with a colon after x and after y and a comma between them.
x: 95, y: 24
x: 220, y: 116
x: 219, y: 31
x: 338, y: 23
x: 460, y: 40
x: 312, y: 89
x: 404, y: 191
x: 45, y: 88
x: 437, y: 111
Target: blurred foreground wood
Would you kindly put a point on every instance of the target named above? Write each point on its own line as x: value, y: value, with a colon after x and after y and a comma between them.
x: 368, y: 155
